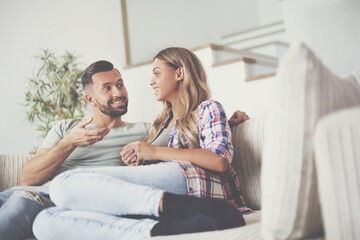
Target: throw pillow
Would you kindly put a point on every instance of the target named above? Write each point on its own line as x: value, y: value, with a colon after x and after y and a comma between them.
x: 306, y: 91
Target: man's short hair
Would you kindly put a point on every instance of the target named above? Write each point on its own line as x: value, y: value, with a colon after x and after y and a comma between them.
x: 96, y: 67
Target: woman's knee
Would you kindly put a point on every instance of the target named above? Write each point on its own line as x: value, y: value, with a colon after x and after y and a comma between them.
x: 60, y: 185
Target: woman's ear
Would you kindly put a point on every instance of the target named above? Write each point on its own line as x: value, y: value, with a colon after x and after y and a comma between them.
x: 180, y: 74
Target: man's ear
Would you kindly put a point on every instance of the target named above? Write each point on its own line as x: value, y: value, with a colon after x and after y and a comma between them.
x: 180, y: 74
x: 90, y: 100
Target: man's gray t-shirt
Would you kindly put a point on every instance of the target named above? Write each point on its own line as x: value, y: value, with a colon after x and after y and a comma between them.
x: 103, y: 153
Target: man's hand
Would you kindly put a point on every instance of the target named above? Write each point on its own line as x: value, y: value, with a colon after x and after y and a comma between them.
x: 237, y: 118
x: 46, y: 161
x: 81, y: 136
x: 135, y: 152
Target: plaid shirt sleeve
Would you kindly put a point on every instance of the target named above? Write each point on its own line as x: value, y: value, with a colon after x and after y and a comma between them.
x: 214, y: 130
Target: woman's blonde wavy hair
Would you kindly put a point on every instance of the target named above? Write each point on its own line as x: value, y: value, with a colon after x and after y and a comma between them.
x: 193, y: 91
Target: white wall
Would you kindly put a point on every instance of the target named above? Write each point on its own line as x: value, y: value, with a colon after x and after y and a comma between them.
x: 92, y: 28
x: 154, y: 25
x: 269, y: 11
x: 227, y: 85
x: 330, y: 27
x: 142, y: 103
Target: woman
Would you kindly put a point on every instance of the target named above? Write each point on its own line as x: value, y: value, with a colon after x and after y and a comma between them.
x: 196, y: 163
x: 201, y: 137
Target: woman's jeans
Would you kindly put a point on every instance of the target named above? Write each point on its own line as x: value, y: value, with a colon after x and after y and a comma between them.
x: 91, y: 201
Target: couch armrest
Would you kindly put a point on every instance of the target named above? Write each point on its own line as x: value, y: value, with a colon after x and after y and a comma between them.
x: 11, y: 166
x: 337, y: 158
x: 248, y: 140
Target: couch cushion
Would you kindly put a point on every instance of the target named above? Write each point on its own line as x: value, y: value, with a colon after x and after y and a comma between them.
x: 306, y: 90
x: 248, y: 139
x: 10, y: 169
x: 337, y: 152
x: 248, y: 232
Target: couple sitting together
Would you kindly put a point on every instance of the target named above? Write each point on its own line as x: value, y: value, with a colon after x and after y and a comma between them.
x: 175, y: 178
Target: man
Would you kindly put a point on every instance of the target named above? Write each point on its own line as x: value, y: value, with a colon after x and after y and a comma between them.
x: 73, y: 143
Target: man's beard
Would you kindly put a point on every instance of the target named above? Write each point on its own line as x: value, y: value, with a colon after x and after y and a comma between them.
x: 111, y: 111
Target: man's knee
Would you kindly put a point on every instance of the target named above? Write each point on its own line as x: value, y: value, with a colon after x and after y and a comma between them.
x: 25, y: 197
x: 21, y: 208
x: 28, y: 195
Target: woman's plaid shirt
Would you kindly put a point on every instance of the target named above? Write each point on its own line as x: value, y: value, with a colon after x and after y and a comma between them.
x: 215, y: 135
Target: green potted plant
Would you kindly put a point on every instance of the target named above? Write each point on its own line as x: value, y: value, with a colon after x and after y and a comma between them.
x: 54, y: 92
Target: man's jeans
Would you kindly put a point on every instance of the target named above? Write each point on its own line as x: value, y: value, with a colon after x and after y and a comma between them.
x: 18, y: 209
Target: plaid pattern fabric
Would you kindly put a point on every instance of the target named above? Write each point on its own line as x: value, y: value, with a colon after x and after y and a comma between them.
x: 215, y: 135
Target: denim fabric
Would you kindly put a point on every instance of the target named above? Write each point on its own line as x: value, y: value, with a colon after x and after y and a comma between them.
x: 4, y: 196
x: 118, y: 190
x: 65, y: 224
x: 98, y: 197
x: 17, y: 213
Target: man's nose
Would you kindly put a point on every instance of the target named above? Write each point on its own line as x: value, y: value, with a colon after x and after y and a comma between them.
x: 116, y: 92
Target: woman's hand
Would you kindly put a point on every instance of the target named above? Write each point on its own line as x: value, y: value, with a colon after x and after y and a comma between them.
x: 135, y: 152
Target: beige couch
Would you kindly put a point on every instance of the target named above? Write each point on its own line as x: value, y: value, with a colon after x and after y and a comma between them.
x: 299, y: 163
x: 248, y: 140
